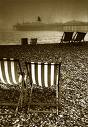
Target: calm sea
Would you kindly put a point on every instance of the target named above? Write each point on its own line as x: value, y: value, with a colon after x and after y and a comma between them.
x: 14, y: 37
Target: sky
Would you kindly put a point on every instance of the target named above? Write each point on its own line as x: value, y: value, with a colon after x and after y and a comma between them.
x: 13, y: 11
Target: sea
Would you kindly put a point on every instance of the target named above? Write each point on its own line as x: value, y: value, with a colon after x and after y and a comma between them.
x: 11, y: 37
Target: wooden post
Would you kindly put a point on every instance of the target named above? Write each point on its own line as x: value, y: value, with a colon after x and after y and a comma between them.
x: 24, y: 41
x: 33, y: 41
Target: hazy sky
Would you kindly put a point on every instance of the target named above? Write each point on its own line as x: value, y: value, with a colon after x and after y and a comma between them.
x: 13, y: 11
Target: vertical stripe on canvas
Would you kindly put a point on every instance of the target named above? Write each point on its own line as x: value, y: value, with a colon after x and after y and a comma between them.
x: 13, y: 72
x: 9, y: 72
x: 42, y: 74
x: 55, y: 74
x: 2, y: 76
x: 33, y: 72
x: 52, y: 74
x: 36, y: 73
x: 46, y: 74
x: 39, y: 74
x: 49, y: 75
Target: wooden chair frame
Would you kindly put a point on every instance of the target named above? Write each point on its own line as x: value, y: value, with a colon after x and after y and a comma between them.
x: 67, y: 37
x: 20, y: 101
x: 79, y: 37
x: 29, y: 74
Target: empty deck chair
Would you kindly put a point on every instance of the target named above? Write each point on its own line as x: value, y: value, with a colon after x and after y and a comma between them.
x: 67, y: 37
x: 11, y: 75
x: 44, y: 75
x: 79, y: 37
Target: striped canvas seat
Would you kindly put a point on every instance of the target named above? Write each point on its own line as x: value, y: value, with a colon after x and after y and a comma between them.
x: 11, y: 75
x: 44, y: 75
x: 79, y: 37
x: 9, y: 72
x: 67, y: 37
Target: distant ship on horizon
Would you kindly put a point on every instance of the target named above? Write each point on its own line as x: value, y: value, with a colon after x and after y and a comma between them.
x: 40, y: 26
x: 36, y: 26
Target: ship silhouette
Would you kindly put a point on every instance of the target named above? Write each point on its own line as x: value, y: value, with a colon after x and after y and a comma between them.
x: 39, y: 19
x: 38, y: 25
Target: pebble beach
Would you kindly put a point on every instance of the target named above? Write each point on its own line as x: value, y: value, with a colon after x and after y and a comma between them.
x: 73, y: 84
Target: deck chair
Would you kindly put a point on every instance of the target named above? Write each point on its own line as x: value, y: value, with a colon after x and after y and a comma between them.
x: 79, y: 37
x: 44, y: 75
x: 67, y: 37
x: 11, y: 75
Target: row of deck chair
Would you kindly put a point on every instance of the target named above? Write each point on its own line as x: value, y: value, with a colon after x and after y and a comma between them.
x: 44, y: 75
x: 73, y: 37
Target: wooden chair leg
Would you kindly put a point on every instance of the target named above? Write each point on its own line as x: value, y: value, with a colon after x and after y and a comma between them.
x: 16, y: 111
x: 25, y: 100
x: 20, y: 102
x: 57, y: 106
x: 57, y: 97
x: 30, y: 99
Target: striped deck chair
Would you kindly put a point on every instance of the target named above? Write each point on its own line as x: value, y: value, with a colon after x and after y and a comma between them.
x: 79, y: 37
x: 11, y: 75
x: 67, y: 37
x: 44, y: 75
